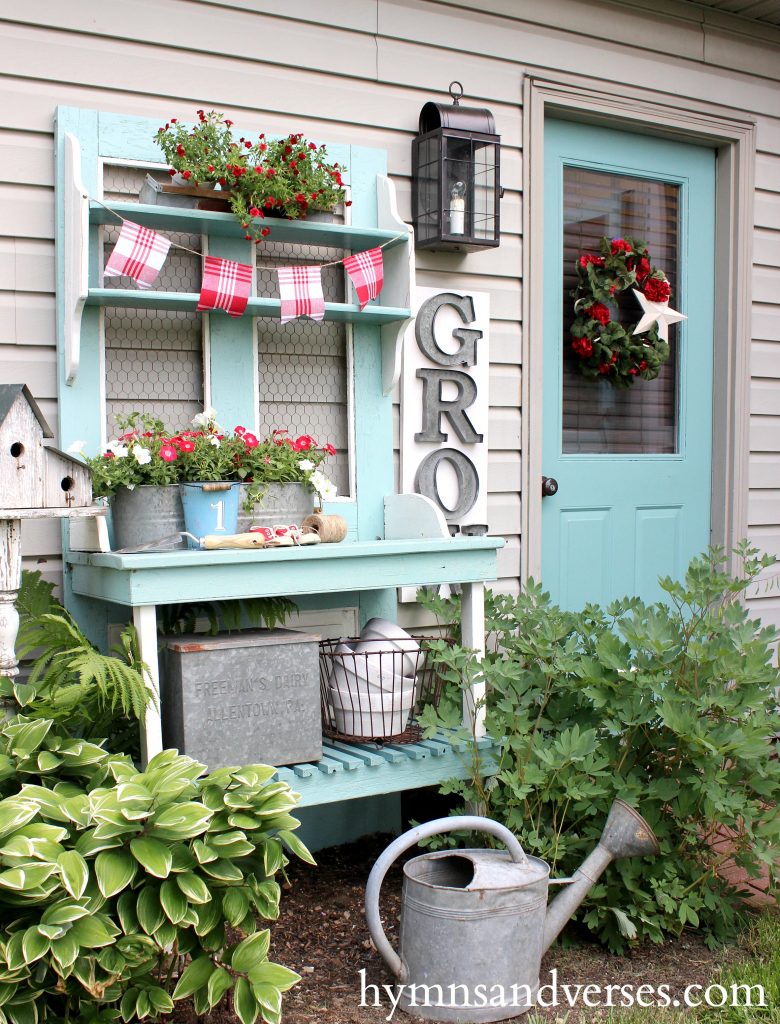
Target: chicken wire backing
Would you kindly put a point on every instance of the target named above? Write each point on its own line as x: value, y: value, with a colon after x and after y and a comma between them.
x: 153, y: 358
x: 303, y: 368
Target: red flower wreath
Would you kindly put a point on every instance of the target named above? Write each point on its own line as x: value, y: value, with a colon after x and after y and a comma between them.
x: 605, y: 349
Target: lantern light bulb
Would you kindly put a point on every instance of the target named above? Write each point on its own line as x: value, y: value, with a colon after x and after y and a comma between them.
x: 458, y: 208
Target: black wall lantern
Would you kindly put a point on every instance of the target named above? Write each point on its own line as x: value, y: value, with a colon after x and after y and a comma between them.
x: 455, y: 177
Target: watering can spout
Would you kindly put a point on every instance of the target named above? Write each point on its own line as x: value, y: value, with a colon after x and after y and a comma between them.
x: 626, y: 834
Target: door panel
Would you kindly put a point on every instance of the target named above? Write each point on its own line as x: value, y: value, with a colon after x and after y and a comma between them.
x: 633, y: 466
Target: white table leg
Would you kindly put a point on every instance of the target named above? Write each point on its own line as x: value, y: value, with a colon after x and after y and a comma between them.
x: 145, y: 621
x: 473, y: 636
x: 10, y: 581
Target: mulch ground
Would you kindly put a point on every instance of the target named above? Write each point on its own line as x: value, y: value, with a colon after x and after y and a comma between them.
x: 322, y: 934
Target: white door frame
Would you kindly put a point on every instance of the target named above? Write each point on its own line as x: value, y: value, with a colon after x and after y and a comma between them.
x: 732, y: 135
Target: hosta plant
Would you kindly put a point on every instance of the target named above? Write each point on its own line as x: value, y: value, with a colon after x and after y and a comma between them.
x: 117, y: 886
x: 672, y: 706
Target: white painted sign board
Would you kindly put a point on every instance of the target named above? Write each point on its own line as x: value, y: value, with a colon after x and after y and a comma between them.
x: 445, y: 403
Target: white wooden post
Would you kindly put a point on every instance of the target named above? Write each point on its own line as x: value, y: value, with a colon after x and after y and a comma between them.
x: 473, y: 636
x: 10, y: 581
x: 145, y: 621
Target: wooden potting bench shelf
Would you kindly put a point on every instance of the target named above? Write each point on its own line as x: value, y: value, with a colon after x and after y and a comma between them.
x: 350, y: 770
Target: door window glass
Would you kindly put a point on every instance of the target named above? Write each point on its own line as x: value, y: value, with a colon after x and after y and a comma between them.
x: 598, y: 418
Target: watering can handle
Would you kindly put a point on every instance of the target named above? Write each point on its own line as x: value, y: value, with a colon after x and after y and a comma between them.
x: 465, y: 822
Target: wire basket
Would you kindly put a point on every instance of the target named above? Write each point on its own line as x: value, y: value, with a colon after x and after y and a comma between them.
x: 371, y: 691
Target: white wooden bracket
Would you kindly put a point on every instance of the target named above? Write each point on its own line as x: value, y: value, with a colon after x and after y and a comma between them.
x: 399, y: 280
x: 413, y: 517
x: 76, y: 263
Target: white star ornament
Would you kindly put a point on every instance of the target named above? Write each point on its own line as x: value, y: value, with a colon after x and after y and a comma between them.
x: 659, y: 312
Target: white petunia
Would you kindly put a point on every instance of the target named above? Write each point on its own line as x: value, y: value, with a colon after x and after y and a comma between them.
x: 306, y: 465
x: 142, y: 455
x: 206, y: 420
x: 326, y: 490
x: 117, y: 449
x: 215, y: 441
x: 76, y: 448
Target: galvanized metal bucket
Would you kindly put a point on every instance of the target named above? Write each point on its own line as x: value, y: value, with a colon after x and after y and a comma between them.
x: 145, y: 514
x: 280, y: 505
x: 209, y: 508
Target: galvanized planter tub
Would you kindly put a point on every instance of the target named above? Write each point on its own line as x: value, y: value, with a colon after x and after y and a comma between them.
x: 146, y: 513
x: 280, y: 505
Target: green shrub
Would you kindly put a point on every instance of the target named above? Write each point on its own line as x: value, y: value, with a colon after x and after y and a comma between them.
x: 112, y: 878
x: 670, y: 706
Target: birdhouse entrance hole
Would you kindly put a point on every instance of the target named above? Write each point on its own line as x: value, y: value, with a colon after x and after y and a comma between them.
x: 17, y: 449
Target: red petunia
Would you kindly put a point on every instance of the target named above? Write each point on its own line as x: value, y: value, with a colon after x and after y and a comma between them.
x: 329, y: 449
x: 250, y: 440
x: 240, y: 431
x: 186, y: 446
x: 304, y: 443
x: 168, y: 453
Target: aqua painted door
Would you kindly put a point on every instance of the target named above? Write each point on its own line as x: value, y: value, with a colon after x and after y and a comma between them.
x: 633, y: 467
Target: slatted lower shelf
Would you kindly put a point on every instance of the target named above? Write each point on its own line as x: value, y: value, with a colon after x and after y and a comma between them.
x: 347, y: 771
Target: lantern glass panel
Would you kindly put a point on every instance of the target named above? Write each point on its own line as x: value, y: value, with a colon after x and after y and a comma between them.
x: 428, y: 223
x: 458, y: 186
x: 484, y: 216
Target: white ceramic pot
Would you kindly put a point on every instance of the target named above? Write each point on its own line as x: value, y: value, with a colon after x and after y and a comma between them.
x: 394, y: 638
x: 362, y: 713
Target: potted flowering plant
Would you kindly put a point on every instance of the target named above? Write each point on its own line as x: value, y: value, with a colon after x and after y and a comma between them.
x: 138, y: 467
x: 288, y: 177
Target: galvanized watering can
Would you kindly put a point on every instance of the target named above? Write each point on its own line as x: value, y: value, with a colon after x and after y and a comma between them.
x: 475, y: 923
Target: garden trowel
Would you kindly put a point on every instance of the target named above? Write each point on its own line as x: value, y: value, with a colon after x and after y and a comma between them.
x: 216, y: 542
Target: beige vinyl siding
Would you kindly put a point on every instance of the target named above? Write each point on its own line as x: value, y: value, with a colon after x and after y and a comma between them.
x: 333, y: 71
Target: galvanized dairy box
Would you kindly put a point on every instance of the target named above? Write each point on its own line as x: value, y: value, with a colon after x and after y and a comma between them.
x: 243, y: 699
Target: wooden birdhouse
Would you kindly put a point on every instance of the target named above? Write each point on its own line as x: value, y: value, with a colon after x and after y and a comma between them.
x: 32, y: 475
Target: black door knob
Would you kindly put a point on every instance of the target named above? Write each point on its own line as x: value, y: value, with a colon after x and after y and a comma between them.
x: 549, y: 486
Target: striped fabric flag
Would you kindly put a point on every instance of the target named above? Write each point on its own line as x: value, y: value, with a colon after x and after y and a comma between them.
x: 139, y: 253
x: 225, y: 285
x: 300, y: 289
x: 367, y: 274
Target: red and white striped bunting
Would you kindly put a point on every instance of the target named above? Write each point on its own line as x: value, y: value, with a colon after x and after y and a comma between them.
x: 300, y: 289
x: 138, y: 253
x: 225, y: 285
x: 367, y: 274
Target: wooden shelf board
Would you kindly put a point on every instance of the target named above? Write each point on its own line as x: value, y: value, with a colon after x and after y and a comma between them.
x: 162, y: 577
x: 170, y: 218
x: 349, y: 771
x: 340, y: 312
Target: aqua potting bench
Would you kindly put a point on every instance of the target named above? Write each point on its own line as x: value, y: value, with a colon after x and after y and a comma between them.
x: 393, y: 540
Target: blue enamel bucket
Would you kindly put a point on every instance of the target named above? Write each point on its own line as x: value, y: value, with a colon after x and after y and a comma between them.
x: 209, y: 508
